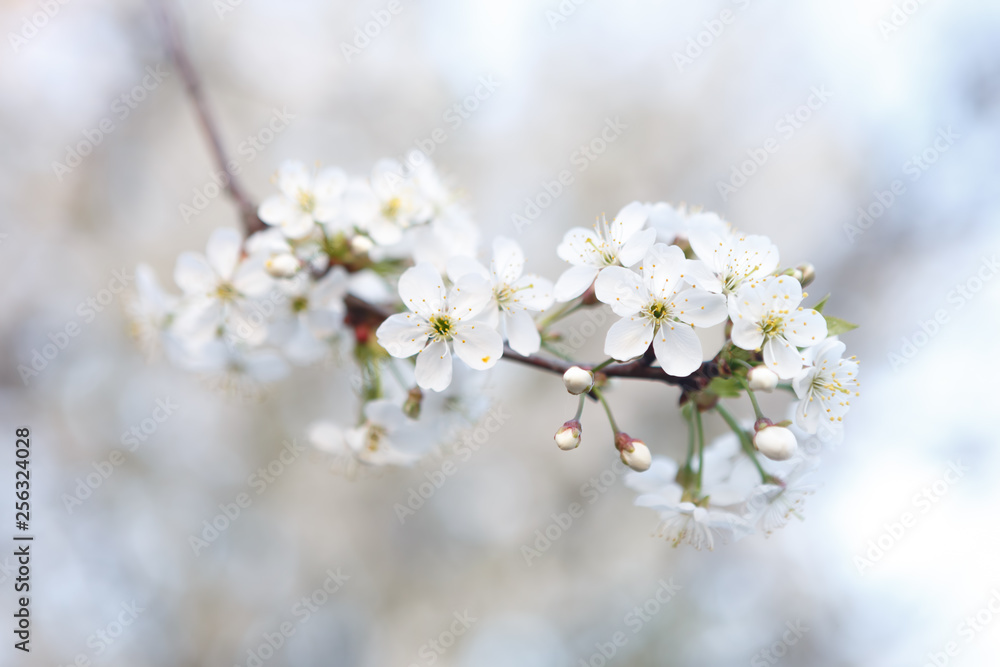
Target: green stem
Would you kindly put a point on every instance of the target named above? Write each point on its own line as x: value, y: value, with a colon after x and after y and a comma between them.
x: 607, y: 408
x: 701, y: 446
x: 560, y: 313
x: 745, y: 440
x: 687, y: 411
x: 579, y: 408
x: 753, y: 399
x: 606, y: 362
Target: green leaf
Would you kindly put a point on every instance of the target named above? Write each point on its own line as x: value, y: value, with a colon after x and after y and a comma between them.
x: 836, y: 326
x: 822, y: 304
x: 725, y: 387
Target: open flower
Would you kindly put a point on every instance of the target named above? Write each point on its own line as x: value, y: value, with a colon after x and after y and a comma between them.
x: 220, y: 288
x: 304, y: 200
x: 622, y: 242
x: 660, y: 305
x: 515, y: 294
x: 769, y: 315
x: 825, y: 387
x: 438, y: 321
x: 315, y: 312
x: 387, y: 437
x: 734, y: 258
x: 682, y: 520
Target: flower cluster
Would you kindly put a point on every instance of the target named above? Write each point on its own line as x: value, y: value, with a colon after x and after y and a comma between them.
x: 383, y: 274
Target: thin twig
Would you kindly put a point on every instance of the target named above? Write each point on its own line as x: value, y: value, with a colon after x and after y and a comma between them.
x: 192, y: 84
x: 360, y: 311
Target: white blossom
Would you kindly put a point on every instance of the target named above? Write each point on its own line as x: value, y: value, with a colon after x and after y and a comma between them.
x: 441, y: 320
x: 825, y: 386
x: 515, y: 294
x: 219, y: 290
x: 387, y: 437
x: 683, y: 520
x: 769, y: 315
x: 304, y: 200
x: 735, y: 259
x: 660, y: 305
x: 622, y: 242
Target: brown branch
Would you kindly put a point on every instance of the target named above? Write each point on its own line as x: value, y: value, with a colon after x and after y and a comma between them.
x: 638, y: 370
x: 366, y: 317
x: 192, y: 84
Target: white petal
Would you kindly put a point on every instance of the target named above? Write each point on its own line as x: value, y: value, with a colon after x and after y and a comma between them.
x: 384, y: 232
x: 629, y: 337
x: 782, y: 293
x: 460, y: 265
x: 782, y: 357
x: 636, y: 247
x: 522, y: 333
x: 293, y: 179
x: 276, y: 209
x: 746, y: 334
x: 330, y: 184
x: 807, y: 415
x: 508, y: 260
x: 709, y: 245
x: 533, y: 292
x: 677, y: 349
x: 627, y: 223
x: 479, y: 346
x: 579, y: 247
x: 193, y: 274
x: 574, y: 282
x: 700, y: 308
x: 327, y: 437
x: 403, y: 335
x: 251, y: 278
x: 422, y: 290
x: 469, y: 296
x: 433, y: 370
x: 662, y: 268
x: 299, y: 226
x: 223, y: 251
x: 805, y: 328
x: 622, y: 289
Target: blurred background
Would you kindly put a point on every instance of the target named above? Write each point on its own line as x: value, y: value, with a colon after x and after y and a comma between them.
x: 857, y: 95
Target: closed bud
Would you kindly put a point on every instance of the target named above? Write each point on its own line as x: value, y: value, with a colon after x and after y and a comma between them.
x: 578, y: 381
x: 776, y: 443
x: 808, y: 273
x: 634, y: 453
x: 568, y: 437
x: 360, y: 245
x: 282, y: 266
x: 761, y: 378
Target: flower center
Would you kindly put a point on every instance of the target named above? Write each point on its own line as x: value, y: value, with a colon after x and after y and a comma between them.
x: 226, y: 292
x: 307, y: 202
x: 373, y: 437
x: 772, y: 325
x: 442, y: 326
x: 299, y: 304
x: 658, y: 311
x: 392, y: 207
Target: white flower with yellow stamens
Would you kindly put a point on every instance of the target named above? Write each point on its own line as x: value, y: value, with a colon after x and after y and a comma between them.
x: 515, y: 294
x: 440, y: 320
x: 621, y: 242
x: 768, y: 315
x: 305, y: 199
x: 660, y: 305
x: 825, y: 388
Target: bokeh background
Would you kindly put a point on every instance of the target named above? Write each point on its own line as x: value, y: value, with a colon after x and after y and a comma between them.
x: 563, y: 71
